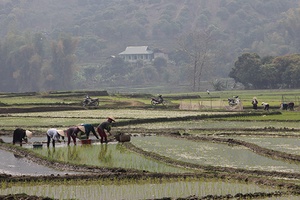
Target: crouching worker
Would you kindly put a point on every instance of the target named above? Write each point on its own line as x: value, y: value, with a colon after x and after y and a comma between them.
x: 266, y: 106
x: 54, y: 135
x: 21, y: 135
x: 85, y: 128
x: 105, y: 126
x: 70, y: 134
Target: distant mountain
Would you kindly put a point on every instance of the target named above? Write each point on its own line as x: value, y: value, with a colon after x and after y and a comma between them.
x: 107, y: 27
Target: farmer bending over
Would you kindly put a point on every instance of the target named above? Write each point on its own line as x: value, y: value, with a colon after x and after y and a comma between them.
x: 266, y: 106
x: 21, y: 135
x: 105, y: 126
x: 70, y: 134
x: 54, y: 135
x: 86, y: 128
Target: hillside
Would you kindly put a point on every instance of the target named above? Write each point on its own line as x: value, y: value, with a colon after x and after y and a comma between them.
x: 106, y: 27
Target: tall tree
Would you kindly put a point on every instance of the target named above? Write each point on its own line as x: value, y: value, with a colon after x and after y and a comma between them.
x: 197, y: 46
x: 62, y: 64
x: 247, y: 70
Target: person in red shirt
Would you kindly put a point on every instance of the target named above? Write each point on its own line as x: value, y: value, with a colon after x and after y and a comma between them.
x: 105, y: 126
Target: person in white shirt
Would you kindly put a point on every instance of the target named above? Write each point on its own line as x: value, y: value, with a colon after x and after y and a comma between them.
x: 54, y: 135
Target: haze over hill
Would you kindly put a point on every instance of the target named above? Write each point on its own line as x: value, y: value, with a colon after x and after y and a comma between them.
x: 103, y: 28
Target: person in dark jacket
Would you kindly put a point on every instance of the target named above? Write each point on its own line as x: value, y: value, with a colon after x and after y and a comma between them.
x: 21, y: 135
x: 105, y: 126
x: 291, y: 106
x: 254, y: 103
x: 86, y: 128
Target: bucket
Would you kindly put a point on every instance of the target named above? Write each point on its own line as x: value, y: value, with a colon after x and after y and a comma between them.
x: 37, y: 145
x: 124, y: 138
x: 86, y: 141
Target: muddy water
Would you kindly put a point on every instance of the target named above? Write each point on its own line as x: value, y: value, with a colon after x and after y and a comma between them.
x: 284, y: 144
x: 207, y: 153
x: 207, y: 124
x: 15, y: 165
x: 104, y: 191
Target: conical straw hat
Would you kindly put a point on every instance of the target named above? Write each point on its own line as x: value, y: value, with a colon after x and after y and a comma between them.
x: 28, y: 134
x: 61, y: 132
x: 81, y: 128
x: 112, y: 118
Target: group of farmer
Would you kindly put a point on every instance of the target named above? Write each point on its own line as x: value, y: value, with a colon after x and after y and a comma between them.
x: 266, y: 106
x: 255, y: 103
x: 74, y: 132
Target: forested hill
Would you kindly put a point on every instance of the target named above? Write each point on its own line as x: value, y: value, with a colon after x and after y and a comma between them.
x: 105, y: 27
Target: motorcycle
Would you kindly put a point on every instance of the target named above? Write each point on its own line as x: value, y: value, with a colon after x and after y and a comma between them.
x: 233, y: 101
x: 159, y: 100
x: 90, y: 102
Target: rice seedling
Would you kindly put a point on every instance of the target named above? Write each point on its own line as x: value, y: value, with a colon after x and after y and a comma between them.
x: 111, y: 156
x: 285, y: 144
x: 207, y: 153
x: 107, y: 190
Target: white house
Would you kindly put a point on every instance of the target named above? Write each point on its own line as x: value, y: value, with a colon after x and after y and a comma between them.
x: 135, y: 53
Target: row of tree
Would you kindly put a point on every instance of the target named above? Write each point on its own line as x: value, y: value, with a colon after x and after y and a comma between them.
x: 31, y: 63
x: 268, y: 72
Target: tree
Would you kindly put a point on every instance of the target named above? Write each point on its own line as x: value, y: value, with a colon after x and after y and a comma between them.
x: 160, y: 63
x: 247, y: 70
x: 62, y: 64
x: 197, y: 46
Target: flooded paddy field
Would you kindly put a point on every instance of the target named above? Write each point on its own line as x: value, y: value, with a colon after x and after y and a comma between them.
x: 13, y: 164
x: 208, y: 153
x: 285, y: 144
x: 212, y: 124
x: 178, y: 156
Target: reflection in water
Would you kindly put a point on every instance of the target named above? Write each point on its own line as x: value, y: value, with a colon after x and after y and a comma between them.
x: 103, y: 156
x: 17, y: 165
x: 73, y: 153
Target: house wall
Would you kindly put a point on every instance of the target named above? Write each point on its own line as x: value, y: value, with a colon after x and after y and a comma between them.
x: 135, y: 57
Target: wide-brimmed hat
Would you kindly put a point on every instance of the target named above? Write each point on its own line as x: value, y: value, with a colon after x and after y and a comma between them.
x: 28, y: 134
x: 111, y: 118
x: 81, y: 128
x: 61, y: 132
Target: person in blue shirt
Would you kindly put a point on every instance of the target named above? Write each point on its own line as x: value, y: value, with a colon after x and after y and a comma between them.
x: 86, y: 128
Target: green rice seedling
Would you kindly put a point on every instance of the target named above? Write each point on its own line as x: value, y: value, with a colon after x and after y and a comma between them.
x: 285, y: 144
x: 207, y: 153
x: 111, y: 155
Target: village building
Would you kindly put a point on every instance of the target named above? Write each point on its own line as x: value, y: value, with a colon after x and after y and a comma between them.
x: 135, y: 53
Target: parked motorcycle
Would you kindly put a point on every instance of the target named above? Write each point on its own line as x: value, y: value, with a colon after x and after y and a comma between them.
x: 90, y: 102
x: 159, y: 100
x: 233, y: 101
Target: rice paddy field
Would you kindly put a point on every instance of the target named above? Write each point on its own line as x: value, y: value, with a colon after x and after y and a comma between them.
x: 205, y: 153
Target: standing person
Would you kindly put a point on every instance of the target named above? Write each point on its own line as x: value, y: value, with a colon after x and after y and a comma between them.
x: 266, y: 106
x: 69, y: 134
x: 86, y: 128
x: 105, y: 126
x: 21, y: 135
x: 254, y: 103
x: 54, y: 135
